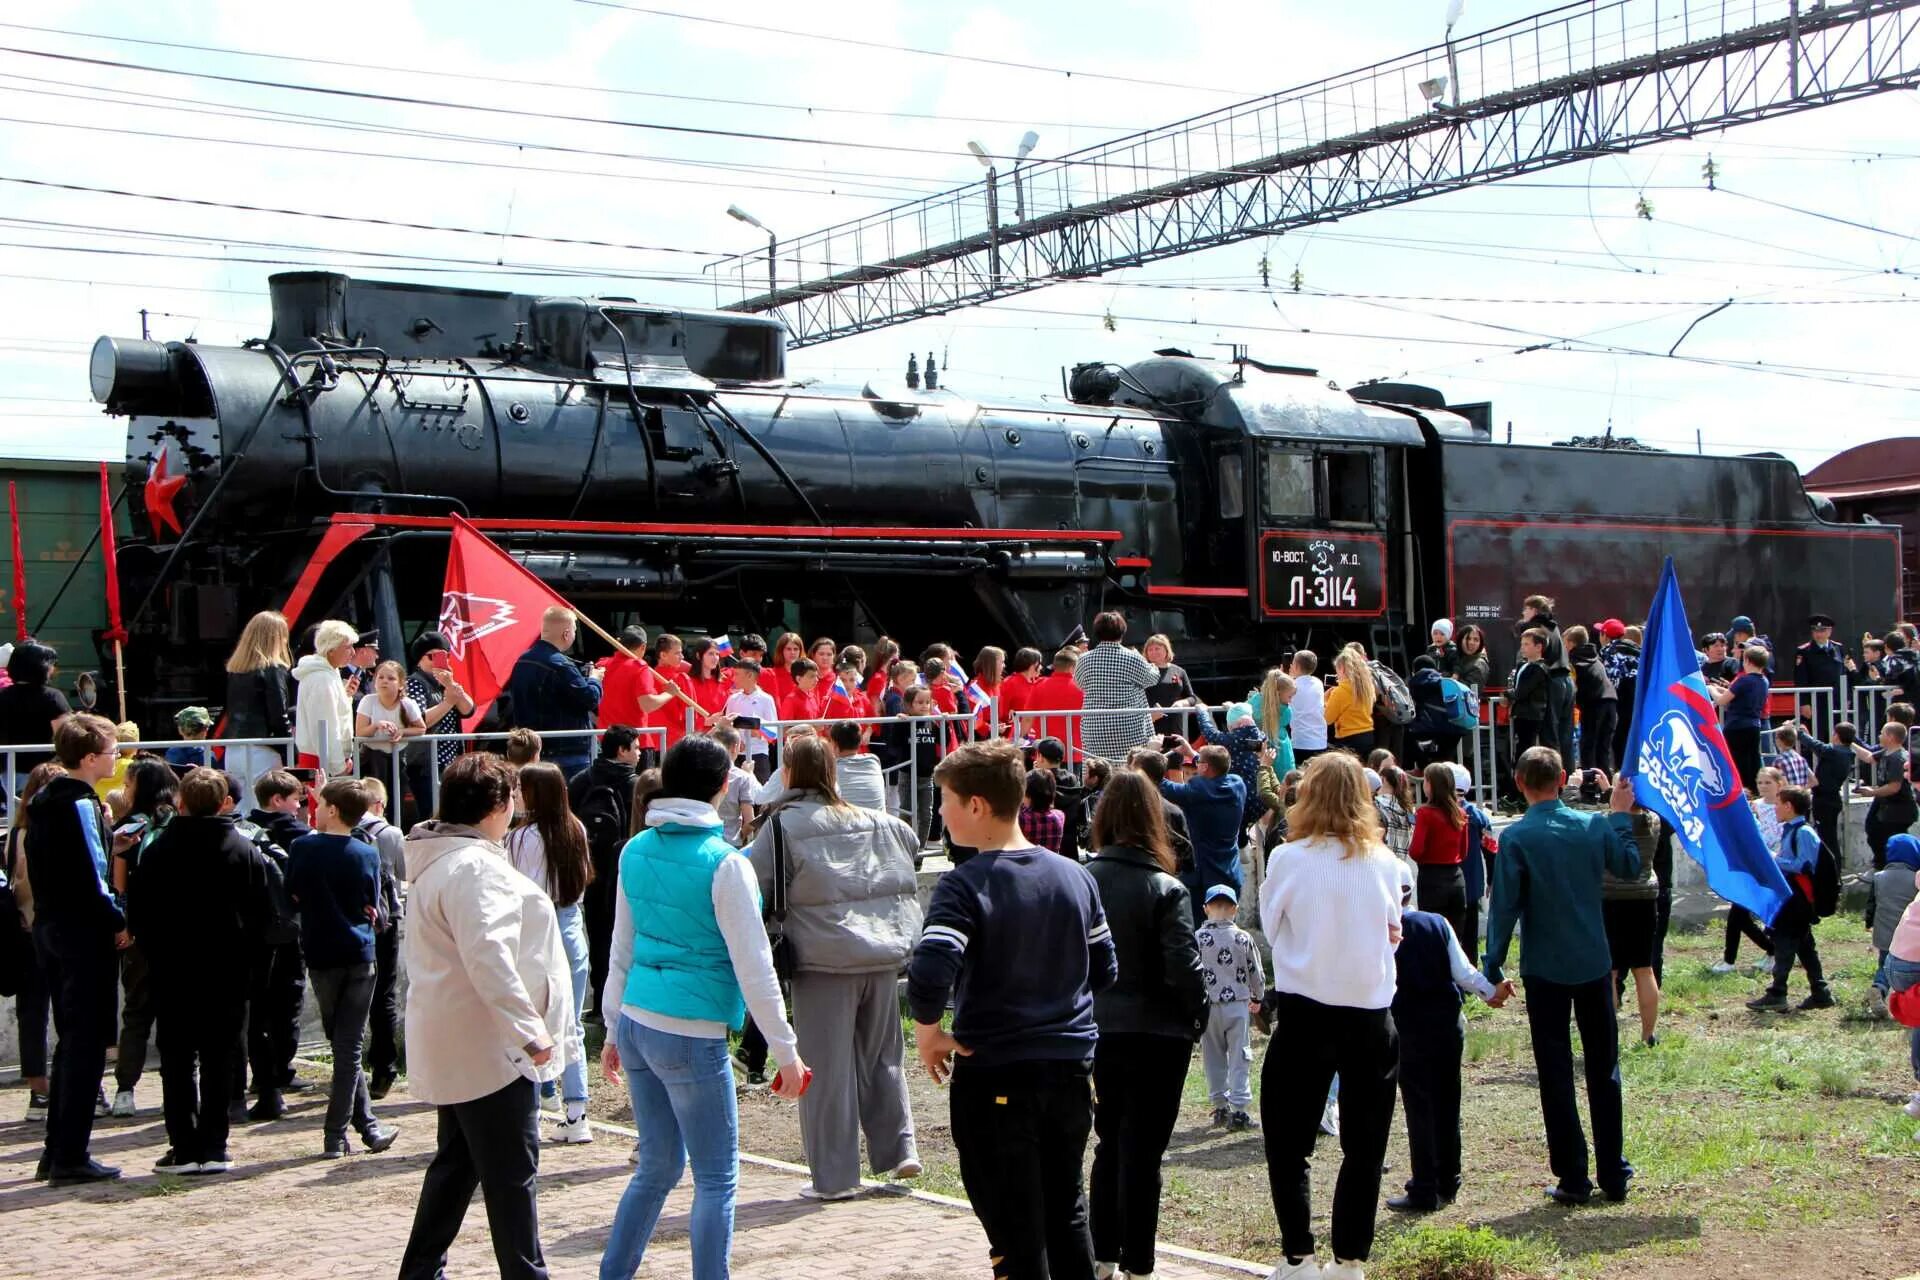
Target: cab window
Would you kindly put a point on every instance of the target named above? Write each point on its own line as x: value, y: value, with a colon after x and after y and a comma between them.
x: 1349, y: 487
x: 1286, y: 485
x: 1232, y: 487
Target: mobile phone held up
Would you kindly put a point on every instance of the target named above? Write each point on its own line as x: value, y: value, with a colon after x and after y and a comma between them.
x: 805, y: 1081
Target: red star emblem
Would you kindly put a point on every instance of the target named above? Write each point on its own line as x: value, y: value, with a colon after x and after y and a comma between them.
x: 161, y: 490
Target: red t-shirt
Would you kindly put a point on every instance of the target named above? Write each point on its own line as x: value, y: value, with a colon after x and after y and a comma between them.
x: 1057, y: 692
x: 1436, y: 841
x: 777, y: 681
x: 625, y: 683
x: 712, y: 694
x: 673, y: 715
x: 804, y: 704
x: 876, y: 688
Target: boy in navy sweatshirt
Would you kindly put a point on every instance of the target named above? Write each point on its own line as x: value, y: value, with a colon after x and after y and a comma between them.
x: 1017, y: 934
x: 334, y: 881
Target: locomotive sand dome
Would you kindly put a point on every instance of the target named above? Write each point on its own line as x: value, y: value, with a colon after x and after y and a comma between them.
x: 662, y: 463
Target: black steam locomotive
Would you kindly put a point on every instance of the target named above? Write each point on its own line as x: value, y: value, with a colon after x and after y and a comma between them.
x: 661, y: 464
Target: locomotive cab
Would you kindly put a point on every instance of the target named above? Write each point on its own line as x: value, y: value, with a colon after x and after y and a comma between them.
x: 1290, y: 482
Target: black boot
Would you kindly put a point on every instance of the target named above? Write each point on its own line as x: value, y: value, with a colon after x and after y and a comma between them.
x: 270, y: 1106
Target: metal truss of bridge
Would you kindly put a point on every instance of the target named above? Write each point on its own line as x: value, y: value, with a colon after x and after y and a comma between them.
x: 1570, y: 84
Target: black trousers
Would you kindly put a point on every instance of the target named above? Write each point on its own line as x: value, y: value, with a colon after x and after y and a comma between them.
x: 383, y: 1024
x: 1739, y: 921
x: 33, y: 1008
x: 1359, y: 744
x: 81, y: 969
x: 199, y: 1017
x: 1430, y: 1053
x: 1313, y: 1042
x: 273, y: 1015
x: 1137, y: 1081
x: 1883, y: 824
x: 597, y: 908
x: 492, y: 1143
x: 1662, y: 917
x: 1531, y: 733
x: 1560, y: 701
x: 1550, y: 1008
x: 1443, y: 891
x: 1826, y: 822
x: 1020, y: 1130
x: 753, y: 1047
x: 1793, y: 939
x: 1597, y: 720
x: 1622, y: 727
x: 1744, y: 745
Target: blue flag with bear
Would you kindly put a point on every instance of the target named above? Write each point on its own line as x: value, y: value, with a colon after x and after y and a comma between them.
x: 1682, y: 770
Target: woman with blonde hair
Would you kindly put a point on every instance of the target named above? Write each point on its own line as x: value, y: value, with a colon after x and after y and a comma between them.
x: 1350, y: 703
x: 845, y: 876
x: 1173, y: 689
x: 1330, y: 907
x: 259, y: 671
x: 1272, y: 705
x: 323, y: 708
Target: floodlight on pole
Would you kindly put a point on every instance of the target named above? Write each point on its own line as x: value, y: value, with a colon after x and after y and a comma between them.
x: 735, y: 212
x: 980, y: 154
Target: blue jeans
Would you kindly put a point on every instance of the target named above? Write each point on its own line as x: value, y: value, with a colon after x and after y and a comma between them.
x: 573, y: 939
x: 683, y: 1106
x: 1901, y: 975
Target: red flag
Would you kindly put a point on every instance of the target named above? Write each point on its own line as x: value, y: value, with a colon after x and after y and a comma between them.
x: 109, y: 554
x: 489, y: 612
x: 19, y: 567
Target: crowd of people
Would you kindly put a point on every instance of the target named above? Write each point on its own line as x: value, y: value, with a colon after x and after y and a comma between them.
x: 699, y: 838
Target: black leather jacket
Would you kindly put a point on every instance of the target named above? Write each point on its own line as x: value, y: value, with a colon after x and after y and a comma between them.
x: 258, y: 705
x: 1162, y: 986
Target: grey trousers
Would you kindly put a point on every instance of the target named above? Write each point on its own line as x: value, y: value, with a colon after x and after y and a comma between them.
x: 848, y: 1026
x: 1226, y: 1049
x: 345, y: 995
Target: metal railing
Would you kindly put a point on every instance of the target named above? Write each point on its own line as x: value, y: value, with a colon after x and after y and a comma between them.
x: 903, y: 778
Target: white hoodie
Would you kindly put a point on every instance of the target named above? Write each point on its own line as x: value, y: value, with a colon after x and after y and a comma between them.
x: 322, y: 714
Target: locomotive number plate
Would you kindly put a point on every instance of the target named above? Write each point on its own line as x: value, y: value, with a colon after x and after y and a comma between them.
x: 1314, y: 574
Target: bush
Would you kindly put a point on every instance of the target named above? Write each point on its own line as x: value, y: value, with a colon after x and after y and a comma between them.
x: 1463, y: 1253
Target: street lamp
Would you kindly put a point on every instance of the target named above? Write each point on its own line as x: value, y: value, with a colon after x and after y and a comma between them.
x: 736, y: 212
x: 1027, y: 144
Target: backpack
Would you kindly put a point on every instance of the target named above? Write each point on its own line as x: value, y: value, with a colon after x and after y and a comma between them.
x: 283, y: 921
x: 1826, y: 883
x: 604, y: 814
x: 1460, y: 703
x: 1393, y: 697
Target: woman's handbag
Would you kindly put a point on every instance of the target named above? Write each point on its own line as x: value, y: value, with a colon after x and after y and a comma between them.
x: 784, y: 960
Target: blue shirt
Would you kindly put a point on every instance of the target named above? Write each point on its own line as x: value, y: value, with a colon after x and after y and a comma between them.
x: 1546, y: 880
x: 1748, y: 707
x: 333, y: 880
x: 1214, y: 809
x: 1799, y: 849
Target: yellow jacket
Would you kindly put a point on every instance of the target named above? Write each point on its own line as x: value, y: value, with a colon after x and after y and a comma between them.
x: 1346, y: 718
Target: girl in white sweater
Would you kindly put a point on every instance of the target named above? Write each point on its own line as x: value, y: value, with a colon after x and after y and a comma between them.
x: 1330, y: 906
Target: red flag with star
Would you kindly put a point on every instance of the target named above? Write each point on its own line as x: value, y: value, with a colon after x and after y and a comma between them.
x: 19, y: 568
x: 110, y: 555
x: 490, y: 613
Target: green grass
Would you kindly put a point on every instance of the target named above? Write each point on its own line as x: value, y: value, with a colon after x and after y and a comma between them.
x: 1464, y: 1253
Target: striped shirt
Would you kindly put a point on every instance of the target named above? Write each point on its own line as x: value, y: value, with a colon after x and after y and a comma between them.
x: 1114, y: 677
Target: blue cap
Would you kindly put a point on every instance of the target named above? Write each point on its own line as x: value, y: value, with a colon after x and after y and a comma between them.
x: 1741, y: 623
x: 1904, y: 848
x: 1226, y: 891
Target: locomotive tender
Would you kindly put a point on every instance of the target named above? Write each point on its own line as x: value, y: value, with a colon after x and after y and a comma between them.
x: 660, y: 463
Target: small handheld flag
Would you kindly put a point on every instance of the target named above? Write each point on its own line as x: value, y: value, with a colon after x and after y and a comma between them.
x: 1683, y: 771
x: 723, y: 645
x: 840, y: 687
x: 979, y: 696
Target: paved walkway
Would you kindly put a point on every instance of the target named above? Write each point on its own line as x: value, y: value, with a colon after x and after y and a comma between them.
x: 287, y: 1214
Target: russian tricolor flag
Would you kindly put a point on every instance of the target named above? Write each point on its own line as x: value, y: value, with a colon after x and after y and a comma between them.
x: 769, y: 734
x: 840, y: 687
x: 723, y: 645
x: 979, y: 696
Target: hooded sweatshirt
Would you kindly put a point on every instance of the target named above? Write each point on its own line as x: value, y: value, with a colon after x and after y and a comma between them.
x: 68, y: 858
x: 1894, y: 887
x: 322, y: 714
x: 198, y: 899
x: 490, y: 982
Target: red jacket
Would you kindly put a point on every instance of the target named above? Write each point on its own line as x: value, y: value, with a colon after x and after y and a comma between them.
x: 777, y: 681
x: 673, y: 715
x: 1436, y: 841
x: 712, y: 695
x: 1057, y: 692
x: 802, y: 704
x: 627, y: 679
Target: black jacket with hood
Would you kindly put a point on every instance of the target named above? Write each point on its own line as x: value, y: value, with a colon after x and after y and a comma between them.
x: 1162, y: 988
x: 197, y: 900
x: 70, y: 857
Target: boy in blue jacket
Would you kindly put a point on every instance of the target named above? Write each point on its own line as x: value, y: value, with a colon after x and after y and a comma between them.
x: 1793, y: 927
x: 1017, y: 936
x: 1214, y: 802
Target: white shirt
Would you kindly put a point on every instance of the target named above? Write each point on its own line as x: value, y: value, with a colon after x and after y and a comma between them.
x: 1309, y: 713
x: 861, y: 782
x: 759, y: 705
x: 403, y: 713
x: 1327, y: 917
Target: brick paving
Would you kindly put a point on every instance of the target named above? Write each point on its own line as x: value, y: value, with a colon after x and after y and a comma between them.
x: 285, y: 1213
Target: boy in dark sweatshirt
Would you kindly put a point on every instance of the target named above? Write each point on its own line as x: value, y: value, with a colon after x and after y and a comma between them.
x: 78, y: 927
x: 279, y: 987
x: 198, y: 903
x: 334, y: 880
x: 1018, y: 936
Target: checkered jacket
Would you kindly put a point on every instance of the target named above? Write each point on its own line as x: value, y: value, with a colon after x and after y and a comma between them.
x: 1114, y: 677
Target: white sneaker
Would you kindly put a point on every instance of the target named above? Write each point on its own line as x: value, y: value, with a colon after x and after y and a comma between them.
x: 550, y: 1102
x: 580, y: 1130
x: 910, y: 1168
x: 123, y: 1103
x: 1306, y: 1269
x: 1105, y: 1270
x: 813, y: 1193
x: 1330, y: 1118
x: 1721, y: 967
x: 1763, y: 965
x: 1344, y: 1271
x: 1913, y: 1106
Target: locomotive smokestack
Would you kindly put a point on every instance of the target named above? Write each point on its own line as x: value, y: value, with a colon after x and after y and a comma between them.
x: 913, y: 372
x: 933, y: 373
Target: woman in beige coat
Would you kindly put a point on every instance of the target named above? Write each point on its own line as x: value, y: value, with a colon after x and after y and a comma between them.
x: 489, y: 1006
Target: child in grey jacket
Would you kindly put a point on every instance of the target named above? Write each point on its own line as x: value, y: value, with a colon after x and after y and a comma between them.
x: 1892, y: 889
x: 1235, y: 985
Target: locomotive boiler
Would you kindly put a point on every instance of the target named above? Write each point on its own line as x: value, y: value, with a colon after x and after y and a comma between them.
x: 661, y: 464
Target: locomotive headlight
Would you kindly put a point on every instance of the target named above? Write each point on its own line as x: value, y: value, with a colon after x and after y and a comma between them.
x: 121, y: 368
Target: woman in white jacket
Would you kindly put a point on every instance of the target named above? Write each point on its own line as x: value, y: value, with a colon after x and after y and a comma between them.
x: 323, y: 709
x: 488, y: 1013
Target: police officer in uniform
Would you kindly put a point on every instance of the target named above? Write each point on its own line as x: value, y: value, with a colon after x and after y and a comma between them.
x: 1822, y: 663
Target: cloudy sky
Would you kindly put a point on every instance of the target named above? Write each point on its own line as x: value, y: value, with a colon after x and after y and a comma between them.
x: 574, y: 128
